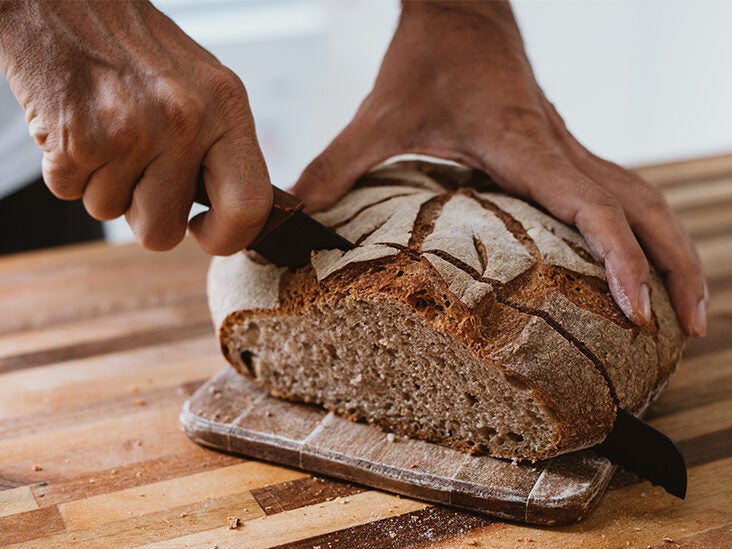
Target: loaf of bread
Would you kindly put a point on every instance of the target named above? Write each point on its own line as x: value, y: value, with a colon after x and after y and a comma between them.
x: 464, y: 317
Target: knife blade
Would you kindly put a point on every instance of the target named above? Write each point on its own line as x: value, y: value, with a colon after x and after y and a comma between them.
x: 636, y: 446
x: 289, y: 234
x: 288, y: 237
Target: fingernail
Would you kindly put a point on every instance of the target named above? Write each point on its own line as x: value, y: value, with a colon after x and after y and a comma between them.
x: 699, y: 327
x: 644, y: 303
x: 706, y: 292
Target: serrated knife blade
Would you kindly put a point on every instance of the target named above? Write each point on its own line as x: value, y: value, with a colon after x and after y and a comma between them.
x: 636, y: 446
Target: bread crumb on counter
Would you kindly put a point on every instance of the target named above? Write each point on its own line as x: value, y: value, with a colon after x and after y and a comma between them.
x: 234, y: 523
x: 37, y: 467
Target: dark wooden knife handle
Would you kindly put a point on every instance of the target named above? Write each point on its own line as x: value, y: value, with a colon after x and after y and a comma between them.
x: 284, y: 206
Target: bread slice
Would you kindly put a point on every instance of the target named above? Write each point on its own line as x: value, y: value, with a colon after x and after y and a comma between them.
x: 464, y: 317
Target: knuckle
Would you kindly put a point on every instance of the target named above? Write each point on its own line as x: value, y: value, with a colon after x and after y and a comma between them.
x: 238, y: 226
x: 159, y: 241
x: 111, y: 129
x: 58, y: 174
x: 122, y: 136
x: 183, y: 110
x: 219, y: 247
x: 637, y: 258
x: 229, y: 97
x: 690, y: 264
x: 63, y: 193
x: 103, y: 211
x: 600, y: 201
x: 651, y: 198
x: 632, y: 255
x: 152, y: 237
x: 227, y: 85
x: 62, y: 189
x: 249, y: 214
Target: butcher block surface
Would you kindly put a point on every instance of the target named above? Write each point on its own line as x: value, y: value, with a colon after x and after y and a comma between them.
x: 100, y: 346
x: 231, y: 413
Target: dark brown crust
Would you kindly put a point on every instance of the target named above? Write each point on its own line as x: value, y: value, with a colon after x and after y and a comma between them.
x: 491, y: 322
x: 491, y: 329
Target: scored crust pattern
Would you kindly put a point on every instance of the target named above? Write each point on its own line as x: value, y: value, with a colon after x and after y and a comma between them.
x: 495, y: 253
x: 466, y: 236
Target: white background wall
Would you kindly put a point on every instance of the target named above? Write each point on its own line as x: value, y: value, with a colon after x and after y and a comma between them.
x: 636, y: 80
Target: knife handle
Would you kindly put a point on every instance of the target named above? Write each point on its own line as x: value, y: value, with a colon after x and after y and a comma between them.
x: 284, y: 206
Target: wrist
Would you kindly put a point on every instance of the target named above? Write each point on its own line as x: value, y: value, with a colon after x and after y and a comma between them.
x: 496, y: 14
x: 495, y: 8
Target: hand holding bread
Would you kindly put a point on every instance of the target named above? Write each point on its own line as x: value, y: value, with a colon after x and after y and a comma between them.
x: 456, y: 84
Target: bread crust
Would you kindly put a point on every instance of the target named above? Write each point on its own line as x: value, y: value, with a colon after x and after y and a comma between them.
x: 521, y: 295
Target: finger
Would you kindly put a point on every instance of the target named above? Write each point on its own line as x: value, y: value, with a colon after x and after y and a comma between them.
x: 552, y: 181
x: 161, y: 200
x: 64, y: 178
x: 354, y: 151
x: 108, y: 193
x: 663, y: 237
x: 240, y: 193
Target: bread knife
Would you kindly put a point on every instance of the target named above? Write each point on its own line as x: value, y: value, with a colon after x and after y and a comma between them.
x: 289, y: 234
x: 637, y: 447
x: 288, y: 237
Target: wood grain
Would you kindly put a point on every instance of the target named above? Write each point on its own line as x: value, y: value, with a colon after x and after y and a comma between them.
x: 559, y: 490
x: 75, y: 415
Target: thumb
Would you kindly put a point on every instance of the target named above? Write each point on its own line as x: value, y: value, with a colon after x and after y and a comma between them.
x: 239, y: 190
x: 351, y: 154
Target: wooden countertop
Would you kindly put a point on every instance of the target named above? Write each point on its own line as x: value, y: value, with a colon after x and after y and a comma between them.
x: 100, y: 345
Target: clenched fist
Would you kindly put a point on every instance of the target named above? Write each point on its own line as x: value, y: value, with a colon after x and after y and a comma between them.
x: 130, y: 113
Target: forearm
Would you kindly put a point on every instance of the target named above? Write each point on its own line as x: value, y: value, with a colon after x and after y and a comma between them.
x: 38, y: 36
x: 494, y: 16
x: 13, y: 13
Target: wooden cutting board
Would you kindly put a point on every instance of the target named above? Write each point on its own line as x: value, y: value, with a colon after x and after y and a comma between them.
x: 231, y: 413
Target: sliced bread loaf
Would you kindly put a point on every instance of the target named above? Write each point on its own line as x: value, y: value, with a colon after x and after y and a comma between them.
x: 464, y: 317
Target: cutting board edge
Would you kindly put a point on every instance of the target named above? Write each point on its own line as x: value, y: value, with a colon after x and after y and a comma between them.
x: 536, y: 509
